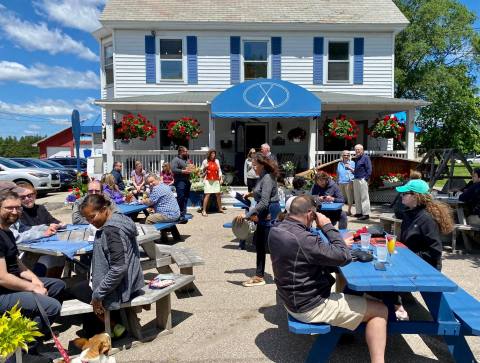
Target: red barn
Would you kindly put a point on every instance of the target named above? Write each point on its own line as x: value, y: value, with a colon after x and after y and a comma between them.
x: 59, y: 144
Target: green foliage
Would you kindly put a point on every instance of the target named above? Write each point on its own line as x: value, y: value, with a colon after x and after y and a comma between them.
x: 22, y: 147
x: 436, y: 58
x: 16, y: 331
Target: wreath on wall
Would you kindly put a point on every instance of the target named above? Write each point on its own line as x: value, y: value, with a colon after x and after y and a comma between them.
x: 297, y: 134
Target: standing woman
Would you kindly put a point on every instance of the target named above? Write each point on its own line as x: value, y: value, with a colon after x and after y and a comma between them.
x: 424, y: 220
x: 138, y: 178
x: 267, y: 208
x: 345, y: 170
x: 212, y: 180
x: 249, y: 176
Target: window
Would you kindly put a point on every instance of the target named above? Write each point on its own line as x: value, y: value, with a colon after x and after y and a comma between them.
x: 255, y: 59
x: 171, y: 59
x: 108, y: 64
x: 338, y: 61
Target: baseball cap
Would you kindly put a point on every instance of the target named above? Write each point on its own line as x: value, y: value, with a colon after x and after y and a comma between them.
x: 11, y: 186
x: 289, y: 203
x: 417, y: 186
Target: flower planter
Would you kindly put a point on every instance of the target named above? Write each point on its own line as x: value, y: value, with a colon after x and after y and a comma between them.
x: 195, y: 199
x: 228, y: 178
x: 391, y: 184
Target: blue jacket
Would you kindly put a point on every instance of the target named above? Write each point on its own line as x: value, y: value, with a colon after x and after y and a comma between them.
x: 363, y: 167
x: 344, y: 175
x: 118, y: 179
x: 331, y: 189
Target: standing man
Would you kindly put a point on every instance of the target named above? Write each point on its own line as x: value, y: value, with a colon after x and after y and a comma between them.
x: 17, y: 283
x: 361, y: 174
x: 181, y: 175
x: 117, y: 174
x: 265, y: 150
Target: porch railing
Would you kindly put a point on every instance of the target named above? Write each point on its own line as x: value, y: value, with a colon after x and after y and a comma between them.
x: 152, y: 160
x: 322, y: 157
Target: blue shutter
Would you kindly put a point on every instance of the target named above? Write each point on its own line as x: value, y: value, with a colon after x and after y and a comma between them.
x: 318, y: 60
x: 150, y: 72
x: 358, y: 52
x: 234, y: 60
x: 276, y: 57
x: 192, y: 61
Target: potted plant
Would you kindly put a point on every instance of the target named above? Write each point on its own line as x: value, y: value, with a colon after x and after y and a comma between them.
x: 134, y: 127
x: 16, y: 331
x: 342, y: 128
x: 289, y: 168
x: 391, y: 180
x: 388, y: 128
x: 183, y: 130
x: 297, y: 134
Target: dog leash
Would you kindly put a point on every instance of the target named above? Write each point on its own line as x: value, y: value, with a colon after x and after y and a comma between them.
x: 57, y: 343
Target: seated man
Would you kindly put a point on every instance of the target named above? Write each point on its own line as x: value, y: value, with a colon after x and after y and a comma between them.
x: 471, y: 198
x: 17, y: 283
x: 117, y: 174
x: 325, y: 190
x: 94, y: 187
x: 163, y: 202
x: 302, y: 265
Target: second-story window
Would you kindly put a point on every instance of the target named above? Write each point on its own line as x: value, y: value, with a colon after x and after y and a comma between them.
x: 108, y: 64
x: 338, y: 61
x: 255, y: 59
x: 171, y: 59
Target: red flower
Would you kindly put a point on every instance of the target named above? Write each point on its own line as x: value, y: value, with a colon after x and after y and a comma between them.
x: 386, y: 118
x: 334, y: 133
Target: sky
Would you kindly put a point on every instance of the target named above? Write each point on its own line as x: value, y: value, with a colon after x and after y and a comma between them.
x: 49, y: 63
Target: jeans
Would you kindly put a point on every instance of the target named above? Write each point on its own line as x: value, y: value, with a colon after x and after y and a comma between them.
x: 29, y: 307
x: 183, y: 192
x: 261, y: 236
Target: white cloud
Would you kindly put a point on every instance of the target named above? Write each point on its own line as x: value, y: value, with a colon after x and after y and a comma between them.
x: 30, y: 132
x: 86, y: 12
x: 43, y: 76
x: 34, y: 127
x: 37, y: 36
x: 56, y: 112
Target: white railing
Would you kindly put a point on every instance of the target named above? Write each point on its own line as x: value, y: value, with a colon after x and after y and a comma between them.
x: 152, y: 160
x: 322, y: 157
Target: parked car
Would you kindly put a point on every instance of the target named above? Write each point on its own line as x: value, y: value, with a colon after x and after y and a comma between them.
x: 69, y: 162
x: 44, y: 180
x: 67, y: 176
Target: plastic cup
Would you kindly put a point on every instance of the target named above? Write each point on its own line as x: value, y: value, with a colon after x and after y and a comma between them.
x: 391, y: 239
x: 382, y: 252
x: 365, y: 241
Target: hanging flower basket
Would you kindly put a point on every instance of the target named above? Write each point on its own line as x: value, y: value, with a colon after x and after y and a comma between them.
x: 186, y: 128
x: 342, y: 128
x: 388, y: 128
x: 134, y: 127
x: 297, y: 134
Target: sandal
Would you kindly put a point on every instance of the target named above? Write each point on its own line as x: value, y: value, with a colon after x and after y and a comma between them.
x: 204, y: 214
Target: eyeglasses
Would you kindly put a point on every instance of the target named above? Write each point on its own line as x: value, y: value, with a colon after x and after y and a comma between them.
x: 94, y: 191
x: 28, y: 196
x: 11, y: 209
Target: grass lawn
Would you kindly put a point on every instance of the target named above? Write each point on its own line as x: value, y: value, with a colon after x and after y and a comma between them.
x: 460, y: 170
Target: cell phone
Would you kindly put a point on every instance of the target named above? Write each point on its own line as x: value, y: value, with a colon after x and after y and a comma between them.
x: 380, y: 266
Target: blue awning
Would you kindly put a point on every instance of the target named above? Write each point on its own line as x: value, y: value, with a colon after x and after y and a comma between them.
x: 91, y: 126
x: 261, y: 98
x: 402, y: 118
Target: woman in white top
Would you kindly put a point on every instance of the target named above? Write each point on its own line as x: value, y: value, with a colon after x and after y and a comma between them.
x: 249, y: 176
x: 212, y: 180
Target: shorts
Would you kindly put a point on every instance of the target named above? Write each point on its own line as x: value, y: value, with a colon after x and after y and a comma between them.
x: 342, y: 310
x: 211, y: 186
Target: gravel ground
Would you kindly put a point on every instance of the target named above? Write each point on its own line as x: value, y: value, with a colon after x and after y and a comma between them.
x: 226, y: 322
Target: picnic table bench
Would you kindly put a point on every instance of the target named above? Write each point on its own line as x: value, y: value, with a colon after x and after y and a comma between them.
x: 161, y: 298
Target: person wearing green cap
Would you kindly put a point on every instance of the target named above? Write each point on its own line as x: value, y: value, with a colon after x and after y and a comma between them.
x: 424, y: 220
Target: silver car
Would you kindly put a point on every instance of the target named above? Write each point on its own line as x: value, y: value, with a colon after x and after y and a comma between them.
x: 43, y: 180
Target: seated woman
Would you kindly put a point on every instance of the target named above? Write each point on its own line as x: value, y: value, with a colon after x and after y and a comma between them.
x: 110, y: 188
x: 167, y: 175
x: 423, y: 222
x: 138, y: 178
x: 116, y: 275
x: 325, y: 190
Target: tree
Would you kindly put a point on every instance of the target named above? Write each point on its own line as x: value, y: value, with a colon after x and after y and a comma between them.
x: 436, y: 58
x: 13, y: 147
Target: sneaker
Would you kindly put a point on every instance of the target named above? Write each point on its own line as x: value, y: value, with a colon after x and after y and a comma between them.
x: 401, y: 314
x: 357, y: 215
x: 363, y: 218
x: 254, y: 281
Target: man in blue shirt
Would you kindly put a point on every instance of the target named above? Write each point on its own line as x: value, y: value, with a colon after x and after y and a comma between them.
x: 162, y: 200
x: 361, y: 174
x: 345, y: 170
x: 117, y: 174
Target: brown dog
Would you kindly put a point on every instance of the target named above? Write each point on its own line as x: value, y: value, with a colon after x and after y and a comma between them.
x: 94, y: 350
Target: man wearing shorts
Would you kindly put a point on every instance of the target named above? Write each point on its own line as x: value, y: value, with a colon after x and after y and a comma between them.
x: 303, y: 266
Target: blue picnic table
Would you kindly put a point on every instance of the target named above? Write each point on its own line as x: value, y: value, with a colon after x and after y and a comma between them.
x: 407, y: 273
x: 128, y: 209
x: 331, y: 206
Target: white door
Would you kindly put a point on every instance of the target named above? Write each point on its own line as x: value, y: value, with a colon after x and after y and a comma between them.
x: 59, y: 151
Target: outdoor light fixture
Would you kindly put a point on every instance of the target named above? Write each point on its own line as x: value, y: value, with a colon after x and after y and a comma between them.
x: 279, y: 128
x: 232, y: 128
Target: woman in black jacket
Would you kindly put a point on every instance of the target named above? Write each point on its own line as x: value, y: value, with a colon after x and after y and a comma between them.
x: 267, y: 208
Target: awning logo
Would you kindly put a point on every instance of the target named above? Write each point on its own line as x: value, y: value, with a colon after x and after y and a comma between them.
x: 266, y: 95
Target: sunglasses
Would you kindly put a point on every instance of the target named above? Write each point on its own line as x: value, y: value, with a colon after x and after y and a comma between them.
x: 28, y: 196
x: 407, y: 193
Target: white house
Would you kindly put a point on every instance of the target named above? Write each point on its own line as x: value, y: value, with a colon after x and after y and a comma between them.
x: 168, y: 59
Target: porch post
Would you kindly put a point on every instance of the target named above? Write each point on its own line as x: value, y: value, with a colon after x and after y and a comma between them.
x: 410, y: 136
x: 312, y: 142
x: 211, y: 131
x: 108, y: 144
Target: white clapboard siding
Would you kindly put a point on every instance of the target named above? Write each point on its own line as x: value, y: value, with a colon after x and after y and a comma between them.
x: 214, y: 62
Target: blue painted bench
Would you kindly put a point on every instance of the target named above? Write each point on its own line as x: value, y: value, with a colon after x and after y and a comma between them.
x: 228, y: 225
x: 166, y: 225
x: 466, y: 309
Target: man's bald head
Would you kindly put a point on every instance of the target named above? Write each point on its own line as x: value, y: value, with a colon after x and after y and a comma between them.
x: 302, y: 205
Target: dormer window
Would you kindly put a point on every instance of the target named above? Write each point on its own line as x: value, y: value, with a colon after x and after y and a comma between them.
x: 255, y: 59
x: 171, y: 59
x: 338, y: 61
